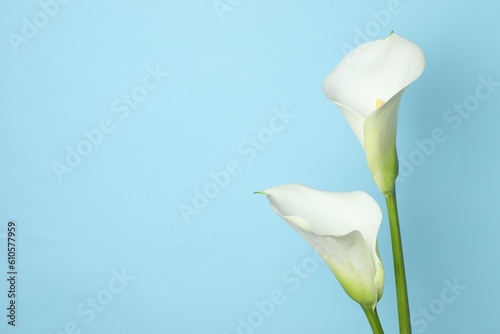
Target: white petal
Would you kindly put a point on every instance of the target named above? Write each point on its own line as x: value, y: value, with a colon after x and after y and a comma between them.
x: 343, y: 228
x: 380, y: 143
x: 328, y: 213
x: 378, y: 70
x: 352, y: 264
x: 355, y: 120
x: 374, y: 70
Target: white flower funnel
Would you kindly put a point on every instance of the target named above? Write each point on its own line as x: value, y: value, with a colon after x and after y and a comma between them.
x: 367, y: 86
x: 342, y: 228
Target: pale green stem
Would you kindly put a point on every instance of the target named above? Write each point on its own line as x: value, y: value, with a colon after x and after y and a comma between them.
x: 399, y: 266
x: 373, y: 319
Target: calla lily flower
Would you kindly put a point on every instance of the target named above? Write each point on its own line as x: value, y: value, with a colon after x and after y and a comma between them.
x: 342, y: 228
x: 367, y: 86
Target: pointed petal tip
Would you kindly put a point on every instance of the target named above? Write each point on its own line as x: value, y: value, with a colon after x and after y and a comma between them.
x: 260, y: 193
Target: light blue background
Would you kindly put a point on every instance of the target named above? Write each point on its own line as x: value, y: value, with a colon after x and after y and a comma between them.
x: 119, y: 208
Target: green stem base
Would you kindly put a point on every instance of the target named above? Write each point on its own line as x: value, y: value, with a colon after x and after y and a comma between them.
x: 374, y: 320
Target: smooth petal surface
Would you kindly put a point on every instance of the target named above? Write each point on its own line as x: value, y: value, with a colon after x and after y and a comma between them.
x: 380, y: 143
x: 374, y: 70
x: 342, y: 228
x: 378, y: 70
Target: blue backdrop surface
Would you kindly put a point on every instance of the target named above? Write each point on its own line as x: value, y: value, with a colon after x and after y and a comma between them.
x: 134, y: 133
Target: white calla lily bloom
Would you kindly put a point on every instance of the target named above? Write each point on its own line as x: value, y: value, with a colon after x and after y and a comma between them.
x: 342, y: 228
x: 367, y: 86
